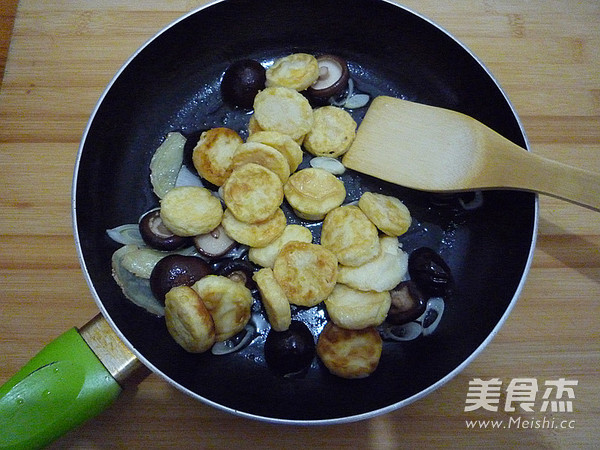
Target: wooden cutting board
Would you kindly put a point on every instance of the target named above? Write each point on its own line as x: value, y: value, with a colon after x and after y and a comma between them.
x: 546, y: 55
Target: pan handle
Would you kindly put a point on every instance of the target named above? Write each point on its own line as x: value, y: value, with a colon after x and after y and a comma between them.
x: 65, y: 384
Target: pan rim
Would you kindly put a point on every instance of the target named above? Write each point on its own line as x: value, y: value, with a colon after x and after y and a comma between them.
x: 275, y: 420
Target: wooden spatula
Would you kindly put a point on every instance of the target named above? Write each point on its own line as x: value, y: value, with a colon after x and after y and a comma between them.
x: 435, y: 149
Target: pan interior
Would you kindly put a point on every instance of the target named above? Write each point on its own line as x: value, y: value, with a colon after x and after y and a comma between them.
x: 173, y: 84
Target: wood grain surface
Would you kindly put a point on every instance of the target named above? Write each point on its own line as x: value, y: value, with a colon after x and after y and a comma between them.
x: 545, y: 54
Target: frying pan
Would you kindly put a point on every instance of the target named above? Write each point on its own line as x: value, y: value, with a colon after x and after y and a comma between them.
x: 172, y: 83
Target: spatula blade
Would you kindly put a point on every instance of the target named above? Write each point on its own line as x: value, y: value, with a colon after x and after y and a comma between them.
x: 415, y: 146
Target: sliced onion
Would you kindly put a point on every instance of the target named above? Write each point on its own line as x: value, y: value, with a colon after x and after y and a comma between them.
x: 357, y: 101
x: 166, y: 163
x: 259, y: 322
x: 434, y: 305
x: 126, y: 234
x: 238, y: 342
x: 472, y: 204
x: 329, y: 164
x: 186, y: 177
x: 134, y: 288
x: 404, y: 332
x: 142, y: 260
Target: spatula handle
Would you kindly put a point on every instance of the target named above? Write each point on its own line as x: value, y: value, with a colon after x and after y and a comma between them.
x: 560, y: 180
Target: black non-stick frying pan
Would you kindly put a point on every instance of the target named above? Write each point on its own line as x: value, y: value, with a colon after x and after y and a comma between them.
x: 172, y: 83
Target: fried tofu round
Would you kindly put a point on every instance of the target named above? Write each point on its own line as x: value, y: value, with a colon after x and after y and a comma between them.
x: 284, y: 110
x: 213, y: 154
x: 263, y: 155
x: 314, y: 192
x: 388, y: 213
x: 190, y: 210
x: 283, y: 143
x: 332, y: 132
x: 350, y: 235
x: 354, y: 310
x: 253, y: 193
x: 256, y: 234
x: 274, y: 300
x: 188, y: 320
x: 297, y: 71
x: 306, y: 272
x: 349, y: 353
x: 228, y: 302
x: 265, y: 256
x: 381, y: 274
x: 253, y: 126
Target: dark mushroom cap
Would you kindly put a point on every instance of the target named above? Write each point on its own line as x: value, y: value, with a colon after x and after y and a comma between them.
x: 429, y: 271
x: 176, y: 270
x: 242, y: 81
x: 291, y: 351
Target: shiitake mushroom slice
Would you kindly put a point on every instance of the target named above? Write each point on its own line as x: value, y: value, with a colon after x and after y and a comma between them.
x: 157, y: 235
x: 214, y: 244
x: 333, y: 79
x: 238, y: 270
x: 408, y: 303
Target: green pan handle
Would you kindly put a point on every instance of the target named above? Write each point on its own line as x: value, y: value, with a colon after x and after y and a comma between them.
x: 60, y: 388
